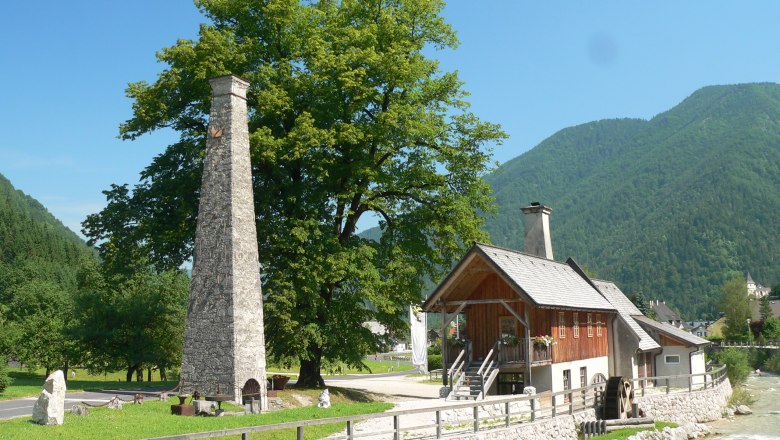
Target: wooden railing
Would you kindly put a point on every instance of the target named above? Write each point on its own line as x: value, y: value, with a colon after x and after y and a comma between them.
x: 515, y: 354
x: 515, y: 410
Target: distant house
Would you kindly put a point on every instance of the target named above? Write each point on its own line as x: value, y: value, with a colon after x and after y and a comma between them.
x: 682, y: 352
x: 699, y: 330
x: 715, y: 330
x: 754, y: 289
x: 664, y: 313
x: 755, y: 307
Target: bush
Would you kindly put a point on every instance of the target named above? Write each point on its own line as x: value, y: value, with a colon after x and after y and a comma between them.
x: 737, y: 365
x: 435, y: 348
x: 741, y: 396
x: 434, y: 362
x: 773, y: 363
x: 4, y: 379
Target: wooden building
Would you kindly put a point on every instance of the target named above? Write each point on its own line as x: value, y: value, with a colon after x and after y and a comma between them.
x: 531, y: 320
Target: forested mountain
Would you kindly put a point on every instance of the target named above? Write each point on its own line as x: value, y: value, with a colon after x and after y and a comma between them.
x: 33, y: 244
x: 672, y: 207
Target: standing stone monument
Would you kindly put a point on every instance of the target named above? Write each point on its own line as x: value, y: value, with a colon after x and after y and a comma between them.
x: 49, y: 409
x: 224, y: 345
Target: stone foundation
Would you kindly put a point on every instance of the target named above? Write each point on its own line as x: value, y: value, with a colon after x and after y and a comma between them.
x: 698, y: 406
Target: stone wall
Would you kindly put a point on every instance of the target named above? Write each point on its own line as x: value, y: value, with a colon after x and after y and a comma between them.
x: 682, y: 408
x: 698, y: 406
x: 559, y: 428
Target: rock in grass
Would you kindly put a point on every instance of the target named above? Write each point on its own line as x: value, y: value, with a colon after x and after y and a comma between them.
x: 49, y: 409
x: 743, y: 410
x: 79, y: 410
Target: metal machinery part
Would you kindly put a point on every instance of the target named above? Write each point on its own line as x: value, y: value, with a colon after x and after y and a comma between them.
x: 618, y: 398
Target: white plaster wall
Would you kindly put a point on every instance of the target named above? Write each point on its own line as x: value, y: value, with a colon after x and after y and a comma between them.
x: 664, y: 369
x: 594, y: 365
x: 624, y: 352
x: 541, y: 378
x: 697, y: 367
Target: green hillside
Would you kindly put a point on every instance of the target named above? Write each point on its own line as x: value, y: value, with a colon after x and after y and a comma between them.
x: 33, y: 244
x: 672, y: 207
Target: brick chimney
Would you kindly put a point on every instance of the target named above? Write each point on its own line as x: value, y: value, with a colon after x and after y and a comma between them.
x: 536, y: 220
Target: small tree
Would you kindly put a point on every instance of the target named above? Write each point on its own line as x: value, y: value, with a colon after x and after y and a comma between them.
x: 737, y: 365
x: 764, y: 308
x: 736, y: 308
x: 4, y: 379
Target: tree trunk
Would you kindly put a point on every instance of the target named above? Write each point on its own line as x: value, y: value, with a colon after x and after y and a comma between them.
x: 129, y: 376
x: 149, y: 374
x: 310, y: 376
x: 65, y: 371
x: 139, y: 373
x: 48, y: 371
x: 163, y: 376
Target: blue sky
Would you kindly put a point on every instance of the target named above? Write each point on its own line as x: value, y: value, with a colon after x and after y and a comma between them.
x: 533, y: 67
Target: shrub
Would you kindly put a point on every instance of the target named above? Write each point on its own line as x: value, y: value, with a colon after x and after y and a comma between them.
x: 737, y: 365
x: 741, y: 396
x: 434, y: 362
x: 773, y: 363
x: 4, y: 379
x: 435, y: 348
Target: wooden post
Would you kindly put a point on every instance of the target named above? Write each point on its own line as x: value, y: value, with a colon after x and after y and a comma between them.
x: 396, y: 428
x: 667, y: 385
x: 690, y: 383
x: 299, y: 432
x: 506, y: 410
x: 476, y: 418
x: 350, y: 430
x: 438, y: 423
x: 533, y: 409
x: 444, y: 370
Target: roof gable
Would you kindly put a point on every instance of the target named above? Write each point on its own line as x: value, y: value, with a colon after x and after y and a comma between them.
x: 546, y: 283
x: 626, y: 309
x: 671, y: 331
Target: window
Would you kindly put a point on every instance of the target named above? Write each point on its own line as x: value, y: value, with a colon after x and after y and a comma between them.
x: 561, y: 325
x: 598, y: 324
x: 672, y: 359
x: 590, y: 325
x: 583, y: 377
x: 576, y: 324
x: 507, y: 326
x: 566, y: 384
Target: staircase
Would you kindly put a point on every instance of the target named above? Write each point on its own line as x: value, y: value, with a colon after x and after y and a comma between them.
x: 472, y: 380
x: 470, y: 388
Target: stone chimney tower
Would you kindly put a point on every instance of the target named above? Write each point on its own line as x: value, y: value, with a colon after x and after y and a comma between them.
x: 536, y: 220
x: 224, y: 343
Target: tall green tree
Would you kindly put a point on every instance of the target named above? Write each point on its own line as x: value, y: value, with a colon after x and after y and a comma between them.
x: 736, y: 308
x: 131, y: 322
x: 349, y: 120
x: 764, y: 308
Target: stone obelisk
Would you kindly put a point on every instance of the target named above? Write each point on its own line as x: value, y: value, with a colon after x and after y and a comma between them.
x: 224, y: 344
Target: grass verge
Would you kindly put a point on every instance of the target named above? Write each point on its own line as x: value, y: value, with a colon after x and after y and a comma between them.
x: 26, y: 384
x: 628, y: 432
x: 153, y: 419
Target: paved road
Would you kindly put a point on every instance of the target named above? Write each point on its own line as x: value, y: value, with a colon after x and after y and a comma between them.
x: 23, y: 407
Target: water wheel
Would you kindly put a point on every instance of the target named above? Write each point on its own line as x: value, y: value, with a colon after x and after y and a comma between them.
x: 618, y: 398
x: 250, y: 391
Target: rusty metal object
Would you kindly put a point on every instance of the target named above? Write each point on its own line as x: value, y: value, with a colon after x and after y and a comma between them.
x: 183, y: 410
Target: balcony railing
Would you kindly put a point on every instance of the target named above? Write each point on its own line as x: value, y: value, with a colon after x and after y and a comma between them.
x: 515, y: 353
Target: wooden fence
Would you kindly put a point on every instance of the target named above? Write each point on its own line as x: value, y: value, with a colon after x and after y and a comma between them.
x: 514, y: 410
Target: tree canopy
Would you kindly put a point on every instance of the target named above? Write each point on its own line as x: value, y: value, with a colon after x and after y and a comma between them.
x: 349, y: 120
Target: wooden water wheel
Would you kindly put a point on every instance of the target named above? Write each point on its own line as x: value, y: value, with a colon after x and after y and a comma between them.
x: 618, y: 398
x: 250, y: 391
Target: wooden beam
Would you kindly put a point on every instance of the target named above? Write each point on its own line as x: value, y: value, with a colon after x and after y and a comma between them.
x: 482, y: 301
x: 453, y: 315
x: 516, y: 315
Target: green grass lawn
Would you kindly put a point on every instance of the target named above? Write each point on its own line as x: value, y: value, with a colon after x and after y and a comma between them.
x: 627, y: 432
x: 153, y: 419
x: 25, y: 383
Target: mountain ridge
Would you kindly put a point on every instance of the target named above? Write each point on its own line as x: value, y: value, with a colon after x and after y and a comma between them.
x: 652, y: 204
